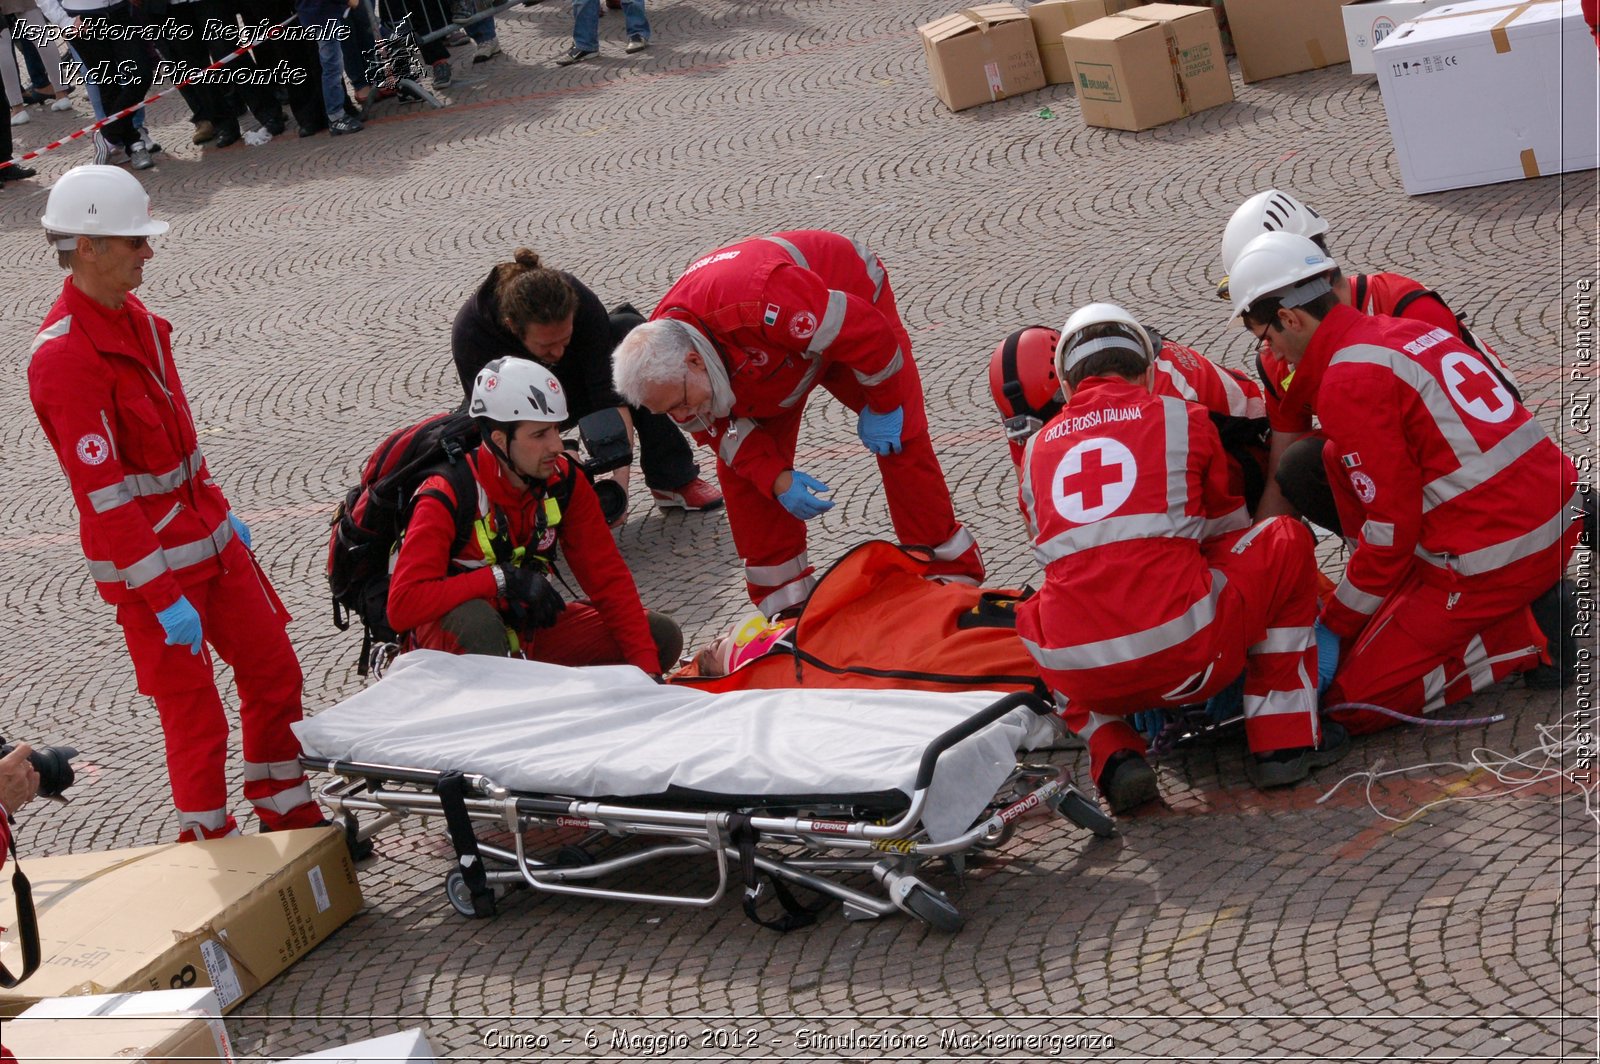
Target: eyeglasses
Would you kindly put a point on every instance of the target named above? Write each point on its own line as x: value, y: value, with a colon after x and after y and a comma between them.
x: 1261, y: 337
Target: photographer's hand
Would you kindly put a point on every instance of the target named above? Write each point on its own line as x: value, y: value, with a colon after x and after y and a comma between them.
x: 19, y: 782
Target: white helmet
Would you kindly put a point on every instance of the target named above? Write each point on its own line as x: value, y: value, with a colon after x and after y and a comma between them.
x: 509, y: 390
x: 98, y: 201
x: 1271, y: 211
x: 1072, y: 348
x: 1291, y: 267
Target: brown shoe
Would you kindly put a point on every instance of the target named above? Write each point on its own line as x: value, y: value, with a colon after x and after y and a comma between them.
x: 204, y: 132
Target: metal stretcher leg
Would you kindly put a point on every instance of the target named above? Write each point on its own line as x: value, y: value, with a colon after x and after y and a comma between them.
x: 452, y: 790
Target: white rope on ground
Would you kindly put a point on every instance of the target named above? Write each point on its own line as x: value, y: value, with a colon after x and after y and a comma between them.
x: 1558, y: 743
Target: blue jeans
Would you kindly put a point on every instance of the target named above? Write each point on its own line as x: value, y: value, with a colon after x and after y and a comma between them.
x: 480, y: 31
x: 586, y: 23
x: 330, y: 54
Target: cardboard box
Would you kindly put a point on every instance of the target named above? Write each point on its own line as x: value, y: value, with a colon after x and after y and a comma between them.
x: 227, y: 914
x: 1490, y: 90
x: 1367, y: 22
x: 162, y: 1025
x: 1052, y: 18
x: 1277, y: 37
x: 1148, y: 66
x: 406, y: 1047
x: 981, y: 54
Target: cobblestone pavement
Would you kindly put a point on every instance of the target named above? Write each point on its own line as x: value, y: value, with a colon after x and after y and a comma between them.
x: 311, y: 284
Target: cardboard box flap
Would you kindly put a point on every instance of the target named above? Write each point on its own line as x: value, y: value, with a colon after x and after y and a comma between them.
x: 1110, y: 28
x: 1495, y: 17
x: 977, y: 19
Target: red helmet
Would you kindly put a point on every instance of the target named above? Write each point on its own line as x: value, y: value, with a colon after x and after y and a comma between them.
x: 1022, y: 379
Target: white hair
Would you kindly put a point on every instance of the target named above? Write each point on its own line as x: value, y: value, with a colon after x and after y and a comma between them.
x: 652, y: 354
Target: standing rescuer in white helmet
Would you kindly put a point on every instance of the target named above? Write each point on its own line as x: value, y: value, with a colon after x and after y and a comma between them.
x: 1294, y: 475
x: 1463, y: 512
x: 162, y: 543
x: 476, y: 565
x: 1157, y: 591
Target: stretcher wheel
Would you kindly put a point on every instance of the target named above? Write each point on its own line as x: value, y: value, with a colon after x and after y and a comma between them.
x: 573, y: 856
x: 1073, y: 806
x: 455, y: 888
x: 934, y: 909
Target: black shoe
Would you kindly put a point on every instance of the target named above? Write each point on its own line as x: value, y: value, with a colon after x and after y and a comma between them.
x: 16, y: 172
x: 313, y: 129
x: 441, y: 74
x: 1555, y: 611
x: 1127, y: 782
x: 342, y: 125
x: 276, y: 125
x: 1281, y: 768
x: 227, y: 135
x: 574, y: 55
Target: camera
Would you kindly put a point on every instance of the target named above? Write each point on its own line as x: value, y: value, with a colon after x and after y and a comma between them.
x: 52, y: 763
x: 605, y: 447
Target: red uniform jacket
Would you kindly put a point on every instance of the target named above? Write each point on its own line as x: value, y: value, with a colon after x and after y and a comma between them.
x: 1289, y: 394
x: 1454, y: 477
x: 428, y: 583
x: 107, y: 394
x: 780, y: 311
x: 1120, y: 490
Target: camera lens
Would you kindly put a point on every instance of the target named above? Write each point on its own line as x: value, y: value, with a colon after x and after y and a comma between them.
x: 54, y: 765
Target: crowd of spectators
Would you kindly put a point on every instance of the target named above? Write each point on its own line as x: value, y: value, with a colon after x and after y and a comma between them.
x: 110, y: 55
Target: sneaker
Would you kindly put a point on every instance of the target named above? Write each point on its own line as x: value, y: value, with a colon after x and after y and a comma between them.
x: 204, y: 132
x: 102, y: 149
x: 1280, y: 768
x: 457, y: 39
x: 462, y: 11
x: 574, y: 55
x: 1554, y: 611
x: 146, y: 143
x: 486, y: 50
x: 139, y: 157
x: 61, y: 103
x: 344, y: 124
x: 694, y: 496
x: 21, y: 118
x: 1127, y: 782
x: 441, y: 74
x: 637, y: 43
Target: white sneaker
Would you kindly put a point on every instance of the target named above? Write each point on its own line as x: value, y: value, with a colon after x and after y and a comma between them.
x: 21, y: 118
x: 486, y: 50
x: 61, y: 103
x: 102, y: 149
x: 139, y: 157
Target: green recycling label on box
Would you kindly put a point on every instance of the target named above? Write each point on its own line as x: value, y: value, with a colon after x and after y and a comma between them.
x: 1098, y: 81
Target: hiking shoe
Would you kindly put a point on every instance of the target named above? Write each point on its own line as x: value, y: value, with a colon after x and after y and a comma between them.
x: 574, y: 55
x: 637, y: 43
x: 139, y: 157
x: 344, y: 124
x: 1127, y: 782
x: 486, y: 50
x: 1554, y: 611
x: 441, y: 74
x: 1280, y: 768
x: 204, y: 132
x: 694, y: 496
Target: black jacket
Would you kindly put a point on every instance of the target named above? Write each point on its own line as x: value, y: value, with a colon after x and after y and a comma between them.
x: 479, y: 337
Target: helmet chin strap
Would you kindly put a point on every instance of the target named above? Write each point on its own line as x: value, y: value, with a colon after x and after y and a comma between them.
x: 505, y: 460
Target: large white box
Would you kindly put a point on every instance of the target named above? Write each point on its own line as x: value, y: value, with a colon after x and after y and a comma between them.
x: 1490, y: 90
x: 404, y: 1047
x: 158, y: 1025
x: 1368, y: 22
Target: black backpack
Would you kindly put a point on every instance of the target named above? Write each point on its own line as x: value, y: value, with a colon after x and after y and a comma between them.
x: 368, y: 524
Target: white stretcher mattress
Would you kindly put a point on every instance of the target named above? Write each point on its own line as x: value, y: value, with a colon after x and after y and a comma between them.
x: 611, y: 731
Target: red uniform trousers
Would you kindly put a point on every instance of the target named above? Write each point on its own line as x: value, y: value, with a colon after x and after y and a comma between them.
x: 768, y: 537
x: 1427, y: 647
x: 244, y: 622
x: 1263, y: 626
x: 579, y: 637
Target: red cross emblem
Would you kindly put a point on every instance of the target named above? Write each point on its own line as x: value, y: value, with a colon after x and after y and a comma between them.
x: 93, y: 449
x: 1093, y: 480
x: 1475, y: 388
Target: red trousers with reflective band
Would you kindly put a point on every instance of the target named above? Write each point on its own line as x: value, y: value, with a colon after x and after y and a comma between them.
x: 1263, y: 626
x: 579, y: 637
x: 1426, y: 647
x: 772, y: 541
x: 244, y: 623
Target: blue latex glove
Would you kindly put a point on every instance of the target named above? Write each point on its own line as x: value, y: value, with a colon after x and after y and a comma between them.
x: 801, y: 498
x: 880, y: 432
x: 181, y: 622
x: 1149, y: 722
x: 1327, y: 656
x: 240, y: 529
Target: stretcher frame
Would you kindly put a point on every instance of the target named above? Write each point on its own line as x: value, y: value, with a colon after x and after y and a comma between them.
x: 753, y: 841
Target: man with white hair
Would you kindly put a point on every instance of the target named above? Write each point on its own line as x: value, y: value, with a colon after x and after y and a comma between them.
x: 162, y: 542
x: 734, y: 349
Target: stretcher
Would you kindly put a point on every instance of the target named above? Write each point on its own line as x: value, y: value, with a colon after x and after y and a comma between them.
x: 780, y: 787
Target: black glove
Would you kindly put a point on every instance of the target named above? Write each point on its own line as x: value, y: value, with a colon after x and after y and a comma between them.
x: 532, y: 601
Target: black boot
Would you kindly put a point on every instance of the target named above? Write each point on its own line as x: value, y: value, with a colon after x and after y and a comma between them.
x: 1555, y: 611
x: 1127, y: 782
